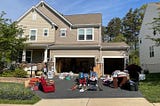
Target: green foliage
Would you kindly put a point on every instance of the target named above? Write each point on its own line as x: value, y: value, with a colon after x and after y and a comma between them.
x: 9, y: 40
x: 7, y: 73
x: 119, y: 38
x: 156, y: 29
x: 16, y: 93
x: 114, y: 27
x: 150, y: 87
x: 131, y: 26
x: 134, y: 57
x: 20, y: 73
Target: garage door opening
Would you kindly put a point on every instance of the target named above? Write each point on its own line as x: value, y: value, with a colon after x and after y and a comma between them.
x: 112, y: 64
x: 75, y: 65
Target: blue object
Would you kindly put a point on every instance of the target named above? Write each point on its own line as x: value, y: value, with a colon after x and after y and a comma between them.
x: 81, y: 75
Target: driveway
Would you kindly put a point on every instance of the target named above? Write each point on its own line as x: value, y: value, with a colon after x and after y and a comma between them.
x: 63, y: 91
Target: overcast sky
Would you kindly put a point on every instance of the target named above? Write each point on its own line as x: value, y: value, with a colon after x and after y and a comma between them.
x: 108, y: 8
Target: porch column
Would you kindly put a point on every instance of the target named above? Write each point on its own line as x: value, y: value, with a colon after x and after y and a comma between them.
x: 45, y: 55
x: 24, y: 55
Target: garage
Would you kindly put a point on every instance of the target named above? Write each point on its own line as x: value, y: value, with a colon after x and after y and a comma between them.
x: 112, y: 64
x: 74, y: 64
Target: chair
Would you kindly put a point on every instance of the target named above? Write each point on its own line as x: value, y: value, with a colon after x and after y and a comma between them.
x: 46, y: 87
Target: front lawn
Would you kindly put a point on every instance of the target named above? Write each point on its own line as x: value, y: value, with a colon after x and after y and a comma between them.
x: 15, y: 93
x: 150, y: 88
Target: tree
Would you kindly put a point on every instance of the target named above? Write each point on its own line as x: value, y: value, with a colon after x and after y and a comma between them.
x: 114, y: 28
x: 156, y: 29
x: 131, y: 25
x: 9, y: 40
x: 119, y: 38
x: 103, y: 33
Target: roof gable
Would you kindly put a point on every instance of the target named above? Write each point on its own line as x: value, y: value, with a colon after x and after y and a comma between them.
x: 72, y: 20
x: 53, y: 10
x: 38, y: 11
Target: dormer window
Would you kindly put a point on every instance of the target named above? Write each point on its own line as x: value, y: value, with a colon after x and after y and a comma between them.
x: 63, y: 32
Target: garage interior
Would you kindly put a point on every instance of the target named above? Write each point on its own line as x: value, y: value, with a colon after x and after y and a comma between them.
x: 75, y: 65
x: 112, y: 64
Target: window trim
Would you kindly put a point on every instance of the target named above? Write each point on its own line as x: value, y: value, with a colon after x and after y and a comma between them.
x: 151, y: 51
x: 62, y: 29
x: 44, y: 32
x: 35, y: 35
x: 85, y: 34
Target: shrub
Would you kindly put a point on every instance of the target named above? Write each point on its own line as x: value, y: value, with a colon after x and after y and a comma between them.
x: 15, y: 91
x: 146, y: 71
x: 20, y: 73
x: 7, y: 73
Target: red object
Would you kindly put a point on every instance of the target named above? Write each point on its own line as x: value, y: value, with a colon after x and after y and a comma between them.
x: 46, y: 87
x: 33, y: 81
x: 82, y: 81
x: 35, y: 88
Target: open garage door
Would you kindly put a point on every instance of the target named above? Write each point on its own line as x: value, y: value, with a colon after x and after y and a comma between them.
x: 112, y: 64
x: 75, y: 65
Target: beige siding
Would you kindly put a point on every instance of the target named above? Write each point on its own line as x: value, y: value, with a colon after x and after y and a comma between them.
x: 39, y: 24
x: 74, y: 53
x: 71, y: 37
x: 112, y: 53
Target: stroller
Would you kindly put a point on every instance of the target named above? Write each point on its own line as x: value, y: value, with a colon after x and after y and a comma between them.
x: 93, y: 81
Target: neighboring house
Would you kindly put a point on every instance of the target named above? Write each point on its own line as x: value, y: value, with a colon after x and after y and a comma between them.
x: 71, y: 42
x: 149, y: 52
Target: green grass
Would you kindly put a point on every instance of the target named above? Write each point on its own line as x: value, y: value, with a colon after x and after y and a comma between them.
x: 15, y: 93
x: 150, y: 88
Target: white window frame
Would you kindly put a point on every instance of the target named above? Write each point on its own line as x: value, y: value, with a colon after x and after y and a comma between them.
x: 35, y: 35
x: 44, y: 31
x: 151, y: 51
x: 63, y: 29
x: 85, y: 34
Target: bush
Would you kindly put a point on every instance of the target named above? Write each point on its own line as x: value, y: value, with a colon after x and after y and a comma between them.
x: 15, y: 91
x: 20, y: 73
x: 7, y: 73
x: 146, y: 71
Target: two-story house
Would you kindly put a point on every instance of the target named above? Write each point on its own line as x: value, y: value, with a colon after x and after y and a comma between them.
x: 148, y: 50
x: 71, y: 42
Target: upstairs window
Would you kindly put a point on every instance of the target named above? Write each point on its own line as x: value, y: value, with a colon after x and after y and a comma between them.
x: 63, y: 32
x: 33, y: 33
x: 151, y: 51
x: 89, y: 34
x: 85, y: 34
x: 81, y: 34
x: 45, y: 32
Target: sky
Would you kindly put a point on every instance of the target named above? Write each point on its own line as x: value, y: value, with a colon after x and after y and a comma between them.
x: 108, y: 8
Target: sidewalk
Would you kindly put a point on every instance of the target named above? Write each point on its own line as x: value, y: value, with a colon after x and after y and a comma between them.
x: 92, y: 102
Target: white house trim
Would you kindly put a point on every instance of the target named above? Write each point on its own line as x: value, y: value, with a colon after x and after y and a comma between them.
x: 52, y: 23
x: 54, y: 11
